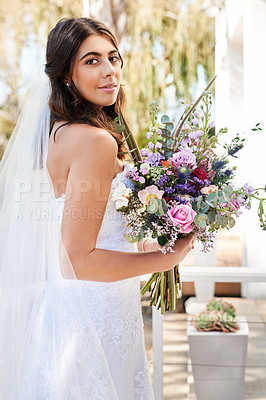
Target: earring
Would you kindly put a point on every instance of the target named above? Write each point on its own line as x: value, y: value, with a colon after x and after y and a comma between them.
x: 67, y: 84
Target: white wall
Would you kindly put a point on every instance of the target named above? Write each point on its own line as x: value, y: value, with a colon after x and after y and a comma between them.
x: 240, y: 104
x: 254, y: 35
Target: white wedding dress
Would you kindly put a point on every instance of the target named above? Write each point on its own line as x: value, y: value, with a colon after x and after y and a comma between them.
x: 88, y: 340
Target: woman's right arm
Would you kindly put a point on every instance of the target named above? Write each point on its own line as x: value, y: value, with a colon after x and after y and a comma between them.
x: 92, y: 163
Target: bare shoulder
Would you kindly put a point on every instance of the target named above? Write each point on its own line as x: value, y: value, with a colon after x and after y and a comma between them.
x: 81, y: 140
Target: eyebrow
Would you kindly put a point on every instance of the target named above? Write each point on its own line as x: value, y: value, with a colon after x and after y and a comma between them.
x: 95, y: 53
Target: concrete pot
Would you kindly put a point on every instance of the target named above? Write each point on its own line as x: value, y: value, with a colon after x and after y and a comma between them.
x: 218, y: 362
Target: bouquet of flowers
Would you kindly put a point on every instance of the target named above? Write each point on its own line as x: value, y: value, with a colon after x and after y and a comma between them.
x: 179, y: 184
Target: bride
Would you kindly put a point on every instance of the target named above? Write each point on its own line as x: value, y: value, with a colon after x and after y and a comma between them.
x: 70, y: 312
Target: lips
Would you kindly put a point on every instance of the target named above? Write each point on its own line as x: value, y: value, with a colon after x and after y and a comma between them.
x: 108, y: 86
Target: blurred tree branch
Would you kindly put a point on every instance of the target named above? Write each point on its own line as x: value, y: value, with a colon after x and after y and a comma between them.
x: 162, y: 44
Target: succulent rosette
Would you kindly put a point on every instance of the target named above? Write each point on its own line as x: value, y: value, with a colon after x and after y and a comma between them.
x: 178, y: 185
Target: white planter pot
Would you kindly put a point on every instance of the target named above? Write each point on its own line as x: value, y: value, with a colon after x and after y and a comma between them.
x: 218, y: 362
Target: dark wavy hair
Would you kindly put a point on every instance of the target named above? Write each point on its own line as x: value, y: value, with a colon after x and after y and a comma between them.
x: 65, y: 102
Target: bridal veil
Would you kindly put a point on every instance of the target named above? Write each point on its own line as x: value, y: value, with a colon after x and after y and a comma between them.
x: 37, y: 303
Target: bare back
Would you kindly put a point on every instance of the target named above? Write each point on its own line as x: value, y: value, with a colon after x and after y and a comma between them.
x: 59, y: 156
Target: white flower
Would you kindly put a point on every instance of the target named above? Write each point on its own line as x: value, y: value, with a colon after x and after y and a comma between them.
x: 120, y: 195
x: 144, y: 168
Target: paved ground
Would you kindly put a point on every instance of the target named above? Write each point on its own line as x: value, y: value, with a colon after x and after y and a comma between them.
x: 178, y: 381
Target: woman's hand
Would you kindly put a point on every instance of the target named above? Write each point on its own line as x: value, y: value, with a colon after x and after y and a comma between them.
x: 183, y: 246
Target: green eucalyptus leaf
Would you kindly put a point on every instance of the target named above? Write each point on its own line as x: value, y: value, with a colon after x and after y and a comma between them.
x: 211, y: 215
x: 231, y: 222
x: 152, y: 207
x: 199, y: 202
x: 141, y: 236
x: 160, y: 211
x: 162, y: 240
x: 170, y: 126
x: 222, y: 200
x: 228, y: 191
x: 224, y: 222
x: 165, y: 119
x: 205, y: 208
x: 194, y: 206
x: 203, y: 217
x: 202, y: 224
x: 210, y: 197
x: 215, y: 200
x: 217, y: 225
x: 129, y: 238
x: 200, y: 217
x: 164, y: 205
x: 209, y: 203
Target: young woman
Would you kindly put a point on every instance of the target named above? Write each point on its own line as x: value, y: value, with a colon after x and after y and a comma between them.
x: 77, y: 330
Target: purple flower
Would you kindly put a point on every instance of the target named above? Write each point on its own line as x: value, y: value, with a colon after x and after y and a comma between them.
x: 180, y: 200
x: 149, y: 135
x: 186, y: 126
x: 159, y: 131
x: 183, y: 188
x: 151, y: 128
x: 195, y: 134
x: 144, y: 152
x: 196, y: 113
x: 211, y: 124
x: 184, y: 143
x: 162, y: 181
x: 248, y: 189
x: 150, y: 145
x: 169, y: 190
x: 154, y: 158
x: 196, y: 121
x: 158, y: 145
x: 183, y: 158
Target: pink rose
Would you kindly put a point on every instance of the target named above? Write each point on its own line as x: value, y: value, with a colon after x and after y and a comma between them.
x: 182, y: 215
x: 183, y: 158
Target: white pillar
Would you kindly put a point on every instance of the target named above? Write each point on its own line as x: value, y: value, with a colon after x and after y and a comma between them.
x: 255, y: 111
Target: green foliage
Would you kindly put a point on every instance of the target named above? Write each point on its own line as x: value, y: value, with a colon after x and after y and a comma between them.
x: 164, y: 48
x: 219, y: 315
x: 167, y: 137
x: 210, y: 210
x: 220, y: 305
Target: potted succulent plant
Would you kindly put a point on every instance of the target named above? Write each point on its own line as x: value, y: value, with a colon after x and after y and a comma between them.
x: 218, y: 349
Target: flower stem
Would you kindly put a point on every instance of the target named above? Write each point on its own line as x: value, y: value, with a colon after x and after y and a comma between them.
x: 150, y: 281
x: 162, y: 283
x: 171, y: 289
